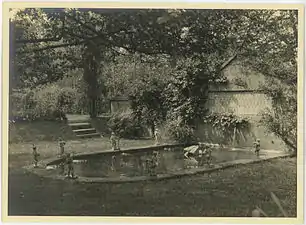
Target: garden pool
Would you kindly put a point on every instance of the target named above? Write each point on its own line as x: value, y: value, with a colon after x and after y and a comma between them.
x: 170, y: 160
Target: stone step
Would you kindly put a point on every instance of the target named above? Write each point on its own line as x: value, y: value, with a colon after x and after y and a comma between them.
x: 88, y: 135
x: 84, y: 130
x: 78, y: 121
x: 82, y: 127
x: 78, y: 124
x: 76, y: 118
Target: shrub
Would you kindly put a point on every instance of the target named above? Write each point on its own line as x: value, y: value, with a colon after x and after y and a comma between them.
x: 46, y: 102
x: 126, y: 125
x: 281, y: 118
x: 227, y: 126
x: 179, y: 131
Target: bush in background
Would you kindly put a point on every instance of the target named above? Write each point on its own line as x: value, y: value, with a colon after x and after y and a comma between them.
x: 126, y: 125
x: 49, y: 102
x: 180, y: 132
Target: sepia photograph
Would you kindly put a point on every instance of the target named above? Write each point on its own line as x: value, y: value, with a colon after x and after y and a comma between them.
x: 153, y: 111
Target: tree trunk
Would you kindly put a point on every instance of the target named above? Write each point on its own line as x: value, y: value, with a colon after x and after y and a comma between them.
x: 91, y: 60
x: 93, y: 108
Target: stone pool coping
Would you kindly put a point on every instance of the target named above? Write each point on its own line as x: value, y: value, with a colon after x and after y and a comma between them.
x: 84, y: 155
x: 43, y: 172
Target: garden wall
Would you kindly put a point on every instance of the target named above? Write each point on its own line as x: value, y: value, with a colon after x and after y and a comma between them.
x: 207, y: 133
x: 119, y: 104
x: 243, y: 97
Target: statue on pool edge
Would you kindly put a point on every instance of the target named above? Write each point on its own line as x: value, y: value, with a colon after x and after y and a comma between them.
x: 35, y: 155
x: 114, y: 139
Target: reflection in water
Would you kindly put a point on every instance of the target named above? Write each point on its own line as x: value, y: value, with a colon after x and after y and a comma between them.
x: 149, y: 163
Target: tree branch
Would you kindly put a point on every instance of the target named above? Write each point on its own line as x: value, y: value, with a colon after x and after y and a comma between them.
x: 32, y: 41
x: 52, y: 47
x: 84, y: 24
x: 107, y: 43
x: 229, y: 61
x: 232, y: 58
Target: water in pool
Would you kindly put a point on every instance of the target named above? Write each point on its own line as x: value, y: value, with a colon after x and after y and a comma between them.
x: 168, y: 161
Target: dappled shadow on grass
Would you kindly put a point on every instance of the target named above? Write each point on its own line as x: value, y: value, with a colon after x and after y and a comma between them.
x: 49, y: 149
x: 232, y: 192
x: 22, y: 132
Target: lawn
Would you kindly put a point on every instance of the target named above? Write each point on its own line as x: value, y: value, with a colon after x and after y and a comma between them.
x: 231, y: 192
x: 23, y: 132
x: 47, y: 149
x: 45, y: 135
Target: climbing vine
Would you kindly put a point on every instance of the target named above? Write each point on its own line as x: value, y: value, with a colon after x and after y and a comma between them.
x: 187, y: 91
x: 228, y: 125
x: 226, y: 121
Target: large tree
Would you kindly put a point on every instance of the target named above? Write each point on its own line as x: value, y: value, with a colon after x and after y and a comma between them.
x: 273, y: 53
x: 265, y: 39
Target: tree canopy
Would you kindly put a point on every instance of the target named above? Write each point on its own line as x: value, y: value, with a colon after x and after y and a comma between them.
x: 47, y: 43
x: 61, y: 35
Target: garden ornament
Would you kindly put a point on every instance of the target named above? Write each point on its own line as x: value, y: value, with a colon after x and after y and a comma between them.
x: 114, y: 139
x: 157, y: 136
x: 69, y: 162
x: 257, y: 146
x: 35, y: 155
x: 62, y: 144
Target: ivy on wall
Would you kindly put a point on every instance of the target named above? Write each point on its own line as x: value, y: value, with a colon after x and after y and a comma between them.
x: 228, y: 125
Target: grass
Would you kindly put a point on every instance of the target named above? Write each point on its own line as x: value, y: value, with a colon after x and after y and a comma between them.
x: 47, y: 149
x: 231, y: 192
x: 23, y: 132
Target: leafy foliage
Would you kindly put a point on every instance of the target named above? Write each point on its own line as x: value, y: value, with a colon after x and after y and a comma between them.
x: 48, y: 103
x: 178, y: 131
x: 143, y: 79
x: 274, y: 54
x: 198, y: 44
x: 125, y: 125
x: 226, y: 121
x: 187, y: 91
x: 228, y: 126
x: 28, y: 27
x: 147, y: 31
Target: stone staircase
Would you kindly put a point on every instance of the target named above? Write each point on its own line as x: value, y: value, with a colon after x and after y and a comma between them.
x: 82, y: 127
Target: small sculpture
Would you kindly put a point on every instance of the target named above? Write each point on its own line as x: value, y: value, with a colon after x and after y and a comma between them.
x: 157, y: 136
x: 152, y: 164
x: 113, y: 163
x: 207, y: 152
x: 204, y: 154
x: 190, y: 160
x: 114, y: 139
x: 257, y: 146
x: 69, y: 163
x: 35, y: 155
x: 62, y: 144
